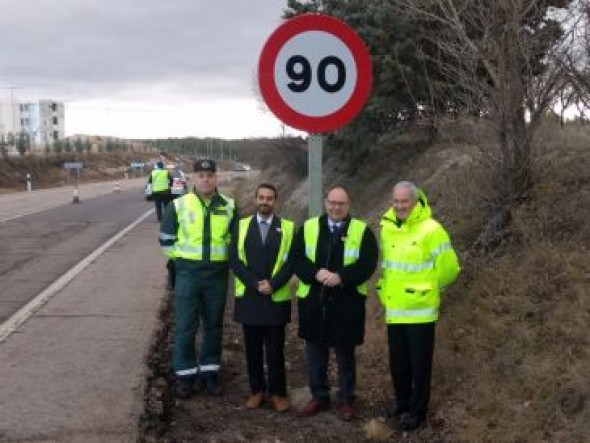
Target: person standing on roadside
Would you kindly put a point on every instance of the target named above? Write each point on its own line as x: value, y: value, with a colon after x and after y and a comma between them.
x: 195, y: 233
x: 333, y: 255
x: 259, y: 259
x: 161, y: 183
x: 418, y: 262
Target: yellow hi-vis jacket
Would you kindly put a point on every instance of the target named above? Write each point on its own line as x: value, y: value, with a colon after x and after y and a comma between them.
x: 160, y: 180
x: 352, y: 248
x: 287, y: 230
x: 190, y: 214
x: 418, y: 261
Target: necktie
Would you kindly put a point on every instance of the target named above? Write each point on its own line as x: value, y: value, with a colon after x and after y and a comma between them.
x: 263, y: 225
x: 335, y: 228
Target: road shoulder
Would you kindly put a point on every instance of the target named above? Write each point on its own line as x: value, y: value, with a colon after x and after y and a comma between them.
x: 75, y: 371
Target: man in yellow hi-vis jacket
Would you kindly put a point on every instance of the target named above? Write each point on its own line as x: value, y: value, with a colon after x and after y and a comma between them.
x: 418, y: 261
x: 334, y: 256
x: 258, y: 256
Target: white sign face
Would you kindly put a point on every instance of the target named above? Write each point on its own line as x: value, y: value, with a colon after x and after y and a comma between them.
x: 315, y: 73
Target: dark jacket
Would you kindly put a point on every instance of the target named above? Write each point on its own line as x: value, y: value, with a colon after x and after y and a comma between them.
x: 333, y: 316
x: 254, y: 308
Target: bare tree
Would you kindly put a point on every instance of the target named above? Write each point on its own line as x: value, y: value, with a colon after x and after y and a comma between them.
x: 501, y: 57
x: 576, y: 59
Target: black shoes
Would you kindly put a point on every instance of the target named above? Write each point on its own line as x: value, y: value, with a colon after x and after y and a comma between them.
x: 395, y: 409
x: 212, y: 385
x: 185, y: 389
x: 411, y: 421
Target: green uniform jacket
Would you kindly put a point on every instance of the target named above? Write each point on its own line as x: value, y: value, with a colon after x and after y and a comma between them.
x: 169, y: 230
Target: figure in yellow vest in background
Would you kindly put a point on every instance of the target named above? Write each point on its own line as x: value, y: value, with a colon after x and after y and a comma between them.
x: 161, y: 182
x: 418, y: 262
x: 333, y: 255
x: 195, y: 232
x: 259, y: 254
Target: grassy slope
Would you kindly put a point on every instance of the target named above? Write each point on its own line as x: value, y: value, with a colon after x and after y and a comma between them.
x: 512, y: 346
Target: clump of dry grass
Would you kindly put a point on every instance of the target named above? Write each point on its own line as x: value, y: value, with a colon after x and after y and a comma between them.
x: 513, y: 341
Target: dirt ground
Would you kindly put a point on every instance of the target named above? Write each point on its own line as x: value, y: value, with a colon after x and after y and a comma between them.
x: 225, y: 419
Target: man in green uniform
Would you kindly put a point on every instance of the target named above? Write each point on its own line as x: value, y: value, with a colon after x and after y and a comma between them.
x: 195, y: 233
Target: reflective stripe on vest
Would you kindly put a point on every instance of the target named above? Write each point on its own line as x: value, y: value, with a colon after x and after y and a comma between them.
x: 287, y: 229
x: 412, y: 314
x: 160, y: 180
x: 352, y: 248
x: 190, y: 216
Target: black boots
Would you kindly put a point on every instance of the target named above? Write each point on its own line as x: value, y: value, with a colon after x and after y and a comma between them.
x: 212, y: 385
x: 185, y: 388
x: 395, y: 409
x: 411, y: 421
x: 188, y: 387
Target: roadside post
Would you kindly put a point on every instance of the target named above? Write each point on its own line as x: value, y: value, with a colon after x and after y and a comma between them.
x: 314, y: 73
x: 29, y: 188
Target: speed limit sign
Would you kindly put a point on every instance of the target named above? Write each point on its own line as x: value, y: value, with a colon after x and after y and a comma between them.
x: 314, y: 73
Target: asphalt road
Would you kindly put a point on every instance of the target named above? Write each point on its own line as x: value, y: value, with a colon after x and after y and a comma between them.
x: 38, y: 248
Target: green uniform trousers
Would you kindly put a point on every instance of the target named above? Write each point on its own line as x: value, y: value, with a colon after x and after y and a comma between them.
x: 199, y: 294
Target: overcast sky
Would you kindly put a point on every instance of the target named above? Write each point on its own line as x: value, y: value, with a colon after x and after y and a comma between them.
x: 141, y: 68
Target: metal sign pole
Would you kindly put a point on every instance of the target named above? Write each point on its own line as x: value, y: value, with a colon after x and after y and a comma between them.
x: 314, y: 166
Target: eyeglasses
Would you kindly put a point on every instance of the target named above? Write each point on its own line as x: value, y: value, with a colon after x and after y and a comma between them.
x: 333, y: 203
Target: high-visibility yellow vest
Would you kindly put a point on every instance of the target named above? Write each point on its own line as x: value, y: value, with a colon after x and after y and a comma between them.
x: 287, y: 230
x: 190, y: 214
x: 160, y: 180
x: 352, y: 248
x: 417, y: 261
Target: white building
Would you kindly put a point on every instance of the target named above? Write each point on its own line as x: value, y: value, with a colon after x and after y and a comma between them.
x: 43, y: 121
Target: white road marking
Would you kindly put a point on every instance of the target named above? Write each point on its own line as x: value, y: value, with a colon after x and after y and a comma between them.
x: 24, y: 313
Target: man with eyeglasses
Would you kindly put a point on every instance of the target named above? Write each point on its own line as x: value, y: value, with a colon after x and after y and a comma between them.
x: 333, y: 256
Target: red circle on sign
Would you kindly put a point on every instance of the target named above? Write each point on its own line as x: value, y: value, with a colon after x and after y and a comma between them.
x: 267, y: 81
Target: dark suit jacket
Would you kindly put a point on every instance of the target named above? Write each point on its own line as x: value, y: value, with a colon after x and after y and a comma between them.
x: 255, y: 308
x: 333, y: 316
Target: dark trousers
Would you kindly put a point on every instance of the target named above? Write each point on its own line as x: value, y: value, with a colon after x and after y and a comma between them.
x: 269, y: 340
x: 161, y: 199
x: 411, y: 349
x: 171, y: 272
x: 318, y: 356
x: 198, y: 295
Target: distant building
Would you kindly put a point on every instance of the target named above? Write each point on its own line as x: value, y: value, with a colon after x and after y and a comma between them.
x: 42, y: 121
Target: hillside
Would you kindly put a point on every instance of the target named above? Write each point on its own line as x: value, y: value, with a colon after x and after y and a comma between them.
x: 512, y: 353
x: 48, y: 171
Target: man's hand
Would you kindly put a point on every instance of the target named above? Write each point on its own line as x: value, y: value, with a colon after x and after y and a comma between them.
x: 264, y: 287
x: 322, y: 275
x: 333, y: 280
x: 328, y: 278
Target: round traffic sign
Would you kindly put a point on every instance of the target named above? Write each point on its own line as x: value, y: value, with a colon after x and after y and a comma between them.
x: 314, y: 73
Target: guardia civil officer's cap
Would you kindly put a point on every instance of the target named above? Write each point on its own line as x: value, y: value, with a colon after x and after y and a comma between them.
x: 205, y: 165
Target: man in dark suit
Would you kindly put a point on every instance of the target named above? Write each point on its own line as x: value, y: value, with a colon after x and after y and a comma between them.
x: 333, y: 255
x: 259, y: 254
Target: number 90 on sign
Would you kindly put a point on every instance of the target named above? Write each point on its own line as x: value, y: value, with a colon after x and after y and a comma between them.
x: 315, y: 73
